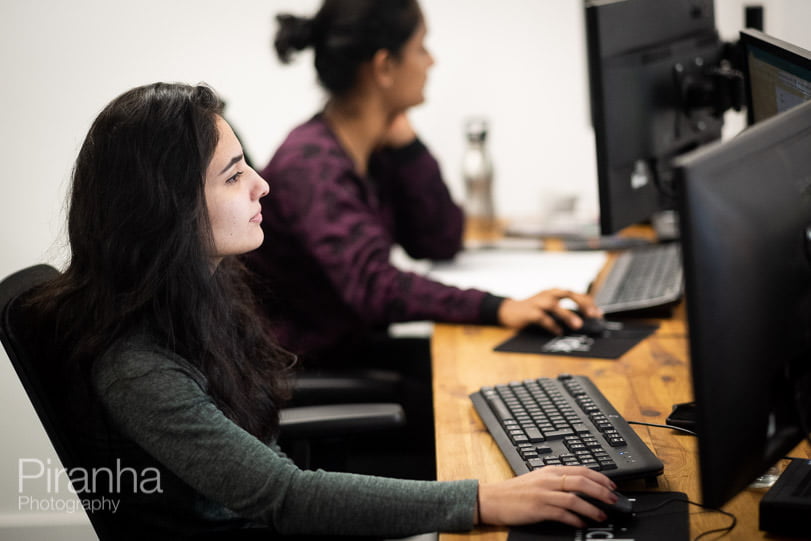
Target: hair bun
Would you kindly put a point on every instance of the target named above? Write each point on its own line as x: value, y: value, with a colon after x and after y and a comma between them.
x: 294, y: 34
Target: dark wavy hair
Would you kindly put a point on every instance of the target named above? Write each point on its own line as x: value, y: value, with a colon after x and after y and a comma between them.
x: 345, y: 34
x: 140, y: 244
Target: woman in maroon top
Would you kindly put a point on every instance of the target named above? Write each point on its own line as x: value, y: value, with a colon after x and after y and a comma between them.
x: 354, y: 180
x: 345, y: 187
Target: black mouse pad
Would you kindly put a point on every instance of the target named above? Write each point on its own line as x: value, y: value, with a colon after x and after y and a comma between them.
x: 612, y: 344
x: 658, y: 516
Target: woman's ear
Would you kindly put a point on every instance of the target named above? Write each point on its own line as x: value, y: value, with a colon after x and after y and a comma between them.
x: 383, y: 64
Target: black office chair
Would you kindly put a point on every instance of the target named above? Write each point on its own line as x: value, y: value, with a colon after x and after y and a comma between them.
x: 28, y: 350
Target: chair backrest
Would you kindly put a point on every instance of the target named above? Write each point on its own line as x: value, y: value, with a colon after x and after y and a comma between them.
x: 15, y: 335
x: 33, y: 354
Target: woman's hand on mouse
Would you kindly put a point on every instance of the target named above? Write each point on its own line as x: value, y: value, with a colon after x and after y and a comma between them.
x: 548, y: 493
x: 544, y: 309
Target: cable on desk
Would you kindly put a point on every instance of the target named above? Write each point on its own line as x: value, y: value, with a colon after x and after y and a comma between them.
x: 723, y: 531
x: 680, y: 429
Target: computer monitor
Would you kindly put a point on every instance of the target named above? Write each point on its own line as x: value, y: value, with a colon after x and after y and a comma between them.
x: 777, y: 75
x: 659, y: 86
x: 745, y: 218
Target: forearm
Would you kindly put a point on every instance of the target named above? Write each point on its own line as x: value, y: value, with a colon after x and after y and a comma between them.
x: 383, y: 294
x: 362, y: 505
x: 429, y: 224
x: 169, y: 416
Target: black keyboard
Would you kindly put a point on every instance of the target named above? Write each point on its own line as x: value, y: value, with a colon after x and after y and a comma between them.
x: 563, y: 421
x: 641, y: 278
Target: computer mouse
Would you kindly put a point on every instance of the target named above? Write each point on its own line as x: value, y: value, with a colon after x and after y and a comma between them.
x: 622, y: 509
x: 592, y: 326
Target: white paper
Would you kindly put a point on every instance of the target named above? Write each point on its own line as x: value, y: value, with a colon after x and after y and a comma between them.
x: 520, y: 273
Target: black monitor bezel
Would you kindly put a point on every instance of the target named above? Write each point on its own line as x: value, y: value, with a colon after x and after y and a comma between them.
x: 729, y: 323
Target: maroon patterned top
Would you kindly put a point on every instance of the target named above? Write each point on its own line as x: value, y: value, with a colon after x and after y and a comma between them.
x: 323, y: 272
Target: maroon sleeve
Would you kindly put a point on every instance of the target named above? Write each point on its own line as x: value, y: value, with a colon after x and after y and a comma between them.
x: 428, y: 224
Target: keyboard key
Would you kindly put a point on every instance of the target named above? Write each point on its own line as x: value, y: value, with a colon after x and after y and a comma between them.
x: 534, y: 435
x: 558, y: 434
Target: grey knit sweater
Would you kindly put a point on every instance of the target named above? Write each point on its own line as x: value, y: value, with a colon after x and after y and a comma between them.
x: 215, y: 474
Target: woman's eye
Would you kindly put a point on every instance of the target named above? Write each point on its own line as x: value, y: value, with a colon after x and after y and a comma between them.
x: 233, y: 179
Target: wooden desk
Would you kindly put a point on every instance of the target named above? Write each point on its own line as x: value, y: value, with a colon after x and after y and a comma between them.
x: 642, y: 386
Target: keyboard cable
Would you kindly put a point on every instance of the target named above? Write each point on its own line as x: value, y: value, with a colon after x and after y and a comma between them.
x: 680, y: 429
x: 723, y: 531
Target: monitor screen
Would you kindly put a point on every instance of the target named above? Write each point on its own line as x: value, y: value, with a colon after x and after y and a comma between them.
x: 651, y: 98
x: 745, y: 218
x: 777, y: 75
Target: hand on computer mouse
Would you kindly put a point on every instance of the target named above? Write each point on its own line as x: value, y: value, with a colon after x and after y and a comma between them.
x: 548, y: 493
x: 594, y: 327
x: 622, y: 508
x: 544, y: 309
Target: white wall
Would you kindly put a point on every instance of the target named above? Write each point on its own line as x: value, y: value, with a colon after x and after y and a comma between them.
x: 520, y: 62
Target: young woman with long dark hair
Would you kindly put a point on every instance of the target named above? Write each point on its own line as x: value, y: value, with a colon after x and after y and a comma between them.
x: 175, y: 373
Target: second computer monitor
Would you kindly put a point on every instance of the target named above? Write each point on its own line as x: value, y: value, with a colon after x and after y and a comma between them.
x: 651, y: 99
x: 777, y: 75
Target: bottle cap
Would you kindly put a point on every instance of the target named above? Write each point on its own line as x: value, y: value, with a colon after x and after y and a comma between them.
x: 476, y: 129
